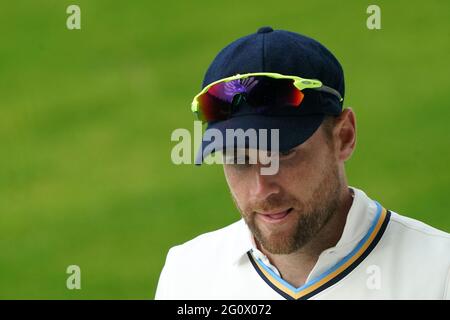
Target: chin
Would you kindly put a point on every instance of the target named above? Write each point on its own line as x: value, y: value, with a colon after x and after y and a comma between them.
x: 278, y: 243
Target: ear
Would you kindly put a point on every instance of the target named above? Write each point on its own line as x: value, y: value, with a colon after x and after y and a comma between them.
x: 345, y: 134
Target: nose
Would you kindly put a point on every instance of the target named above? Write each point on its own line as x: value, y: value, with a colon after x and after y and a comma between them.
x: 264, y: 186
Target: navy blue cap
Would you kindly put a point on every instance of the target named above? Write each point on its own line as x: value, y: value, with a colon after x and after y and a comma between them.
x: 287, y: 53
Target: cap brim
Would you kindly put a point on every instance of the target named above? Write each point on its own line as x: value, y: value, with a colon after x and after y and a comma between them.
x: 292, y: 131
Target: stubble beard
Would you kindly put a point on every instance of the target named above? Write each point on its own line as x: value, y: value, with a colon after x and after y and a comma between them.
x: 311, y: 215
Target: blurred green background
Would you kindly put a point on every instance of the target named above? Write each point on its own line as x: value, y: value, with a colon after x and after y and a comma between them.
x: 86, y: 118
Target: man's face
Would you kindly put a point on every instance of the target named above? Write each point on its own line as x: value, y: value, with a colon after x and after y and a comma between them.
x: 286, y: 210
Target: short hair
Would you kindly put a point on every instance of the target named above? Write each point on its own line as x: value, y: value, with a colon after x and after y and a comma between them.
x: 328, y: 125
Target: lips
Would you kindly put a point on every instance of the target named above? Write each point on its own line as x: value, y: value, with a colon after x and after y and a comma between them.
x: 276, y: 216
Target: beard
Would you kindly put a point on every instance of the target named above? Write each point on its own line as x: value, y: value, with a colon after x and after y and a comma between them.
x: 311, y: 215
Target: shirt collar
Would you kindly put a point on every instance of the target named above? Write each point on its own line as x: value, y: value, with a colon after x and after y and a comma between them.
x: 359, y: 218
x: 243, y: 242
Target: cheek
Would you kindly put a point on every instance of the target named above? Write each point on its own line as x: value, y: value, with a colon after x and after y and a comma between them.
x: 300, y: 179
x: 238, y: 184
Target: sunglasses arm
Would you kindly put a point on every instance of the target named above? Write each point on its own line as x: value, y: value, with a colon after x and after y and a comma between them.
x: 332, y: 91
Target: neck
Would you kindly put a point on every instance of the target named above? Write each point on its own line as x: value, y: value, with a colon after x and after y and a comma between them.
x: 295, y: 267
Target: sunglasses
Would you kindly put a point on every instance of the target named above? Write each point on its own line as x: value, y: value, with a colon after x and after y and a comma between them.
x: 218, y: 100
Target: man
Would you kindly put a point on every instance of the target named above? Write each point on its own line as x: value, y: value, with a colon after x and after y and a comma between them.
x: 304, y: 233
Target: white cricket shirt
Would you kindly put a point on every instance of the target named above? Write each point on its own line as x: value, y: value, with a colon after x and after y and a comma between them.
x: 380, y: 255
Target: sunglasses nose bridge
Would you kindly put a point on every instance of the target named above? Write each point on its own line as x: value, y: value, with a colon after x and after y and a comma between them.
x: 239, y: 98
